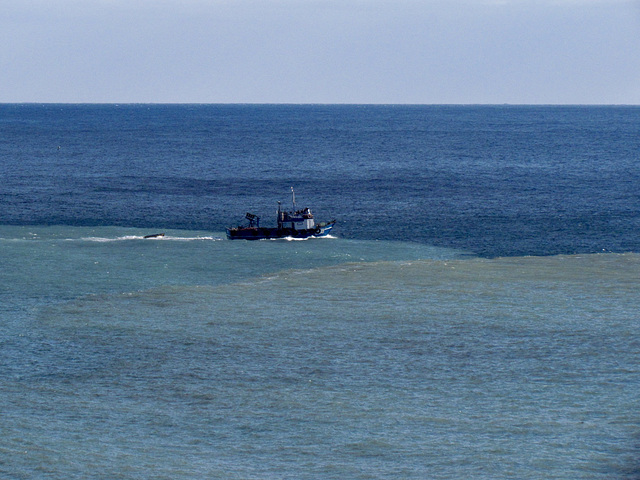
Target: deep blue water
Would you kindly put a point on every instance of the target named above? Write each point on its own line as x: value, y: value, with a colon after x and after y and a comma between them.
x: 475, y: 315
x: 493, y: 180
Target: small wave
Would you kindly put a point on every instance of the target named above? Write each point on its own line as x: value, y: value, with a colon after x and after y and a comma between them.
x: 186, y: 239
x: 106, y: 239
x: 140, y: 237
x: 295, y: 239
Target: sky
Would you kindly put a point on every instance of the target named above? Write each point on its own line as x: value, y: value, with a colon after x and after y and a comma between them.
x: 320, y: 51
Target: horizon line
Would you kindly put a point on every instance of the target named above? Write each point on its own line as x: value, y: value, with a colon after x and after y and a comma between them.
x: 408, y: 104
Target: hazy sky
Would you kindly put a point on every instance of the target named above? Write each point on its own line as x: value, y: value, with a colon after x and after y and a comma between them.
x: 321, y: 51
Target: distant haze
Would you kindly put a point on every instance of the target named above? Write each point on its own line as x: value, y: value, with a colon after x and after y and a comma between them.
x: 320, y: 51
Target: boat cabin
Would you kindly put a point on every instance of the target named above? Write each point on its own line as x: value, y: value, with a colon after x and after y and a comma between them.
x: 299, y: 220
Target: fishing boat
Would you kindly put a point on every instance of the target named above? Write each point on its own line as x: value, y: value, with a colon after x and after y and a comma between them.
x: 297, y: 223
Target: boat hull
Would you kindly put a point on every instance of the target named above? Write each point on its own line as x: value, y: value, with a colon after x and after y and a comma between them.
x: 256, y: 233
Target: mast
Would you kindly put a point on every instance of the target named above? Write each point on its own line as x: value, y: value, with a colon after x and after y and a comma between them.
x: 279, y: 217
x: 293, y: 199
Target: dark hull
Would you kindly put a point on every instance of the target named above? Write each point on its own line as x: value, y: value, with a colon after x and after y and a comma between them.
x: 255, y: 233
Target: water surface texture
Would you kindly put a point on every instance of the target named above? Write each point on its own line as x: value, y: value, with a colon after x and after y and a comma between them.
x: 473, y: 315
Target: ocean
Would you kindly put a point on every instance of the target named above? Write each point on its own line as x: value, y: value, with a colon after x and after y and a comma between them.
x: 474, y: 313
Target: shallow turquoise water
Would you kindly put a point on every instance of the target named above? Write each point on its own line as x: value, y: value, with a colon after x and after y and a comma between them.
x: 195, y: 357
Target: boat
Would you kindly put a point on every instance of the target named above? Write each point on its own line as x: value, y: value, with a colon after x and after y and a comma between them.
x: 155, y: 235
x: 297, y: 223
